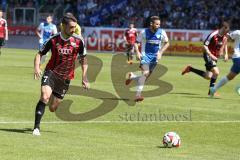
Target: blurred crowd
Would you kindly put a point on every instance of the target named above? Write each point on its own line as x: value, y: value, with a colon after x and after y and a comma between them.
x: 176, y: 14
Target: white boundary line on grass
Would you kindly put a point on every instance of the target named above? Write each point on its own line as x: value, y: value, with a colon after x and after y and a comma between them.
x: 114, y: 122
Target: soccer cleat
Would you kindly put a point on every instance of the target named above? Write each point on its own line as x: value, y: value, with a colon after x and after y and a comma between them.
x: 238, y: 90
x: 36, y: 132
x: 128, y: 80
x: 186, y: 69
x: 139, y: 98
x: 212, y: 92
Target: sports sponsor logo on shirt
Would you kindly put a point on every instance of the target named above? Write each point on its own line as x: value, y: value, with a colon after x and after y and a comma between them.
x: 154, y: 41
x: 64, y: 51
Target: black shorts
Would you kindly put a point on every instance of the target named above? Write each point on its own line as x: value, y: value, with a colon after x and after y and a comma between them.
x: 129, y: 47
x: 59, y: 86
x: 2, y: 41
x: 209, y: 63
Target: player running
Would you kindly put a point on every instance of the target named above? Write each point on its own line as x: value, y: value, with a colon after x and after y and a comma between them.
x: 235, y: 69
x: 154, y: 42
x: 213, y: 46
x: 3, y: 31
x: 65, y: 47
x: 44, y: 31
x: 130, y: 36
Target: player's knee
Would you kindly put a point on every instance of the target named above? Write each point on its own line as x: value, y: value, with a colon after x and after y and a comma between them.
x: 207, y: 77
x: 230, y: 77
x: 146, y: 73
x: 45, y: 99
x: 216, y: 73
x: 52, y: 109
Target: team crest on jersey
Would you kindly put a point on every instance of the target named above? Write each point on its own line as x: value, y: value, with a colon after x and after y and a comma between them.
x: 73, y: 44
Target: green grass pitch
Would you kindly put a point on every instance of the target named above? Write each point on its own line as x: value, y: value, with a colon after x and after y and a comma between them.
x: 209, y: 128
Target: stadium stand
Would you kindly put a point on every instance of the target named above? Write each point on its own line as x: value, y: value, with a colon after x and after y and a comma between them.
x: 175, y: 14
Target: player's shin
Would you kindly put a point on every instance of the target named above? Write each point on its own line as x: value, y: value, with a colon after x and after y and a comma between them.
x: 40, y: 108
x: 198, y: 72
x: 140, y: 85
x: 212, y: 81
x: 221, y: 83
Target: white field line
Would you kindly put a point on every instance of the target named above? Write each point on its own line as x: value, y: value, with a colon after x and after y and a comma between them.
x: 114, y: 122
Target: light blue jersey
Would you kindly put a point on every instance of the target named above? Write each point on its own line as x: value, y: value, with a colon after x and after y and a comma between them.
x: 46, y: 31
x: 151, y: 44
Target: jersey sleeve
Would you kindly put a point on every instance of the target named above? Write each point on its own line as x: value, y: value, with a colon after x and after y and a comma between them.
x: 54, y: 29
x: 82, y: 50
x: 164, y: 36
x: 235, y: 34
x: 40, y: 27
x: 6, y: 24
x: 46, y: 47
x: 209, y: 38
x: 141, y: 37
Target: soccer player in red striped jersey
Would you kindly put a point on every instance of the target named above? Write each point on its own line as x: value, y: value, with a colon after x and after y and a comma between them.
x: 213, y: 47
x: 130, y: 37
x: 65, y: 47
x: 3, y: 30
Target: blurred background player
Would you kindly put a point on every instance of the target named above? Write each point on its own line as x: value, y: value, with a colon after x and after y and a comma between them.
x: 65, y: 47
x: 130, y: 37
x: 44, y: 31
x: 213, y: 46
x: 154, y: 42
x: 3, y: 31
x: 235, y: 69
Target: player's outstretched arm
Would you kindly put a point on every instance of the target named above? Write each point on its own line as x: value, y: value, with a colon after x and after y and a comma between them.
x: 163, y: 49
x: 6, y: 33
x: 209, y: 53
x: 84, y: 66
x: 226, y: 52
x: 139, y: 55
x: 37, y: 70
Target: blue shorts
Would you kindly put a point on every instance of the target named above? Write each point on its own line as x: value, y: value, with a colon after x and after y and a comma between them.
x: 236, y: 65
x: 40, y: 46
x: 151, y: 61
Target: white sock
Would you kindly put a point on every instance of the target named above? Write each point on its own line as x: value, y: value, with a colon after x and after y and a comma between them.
x: 221, y: 83
x: 134, y: 77
x: 140, y: 85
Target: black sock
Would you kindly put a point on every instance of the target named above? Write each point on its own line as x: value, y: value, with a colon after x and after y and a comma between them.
x: 40, y: 108
x: 131, y: 56
x: 212, y: 82
x: 198, y: 72
x: 128, y: 56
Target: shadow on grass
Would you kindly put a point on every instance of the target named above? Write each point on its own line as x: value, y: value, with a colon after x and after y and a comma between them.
x: 162, y: 147
x: 119, y: 99
x: 183, y: 93
x: 202, y: 97
x: 24, y: 130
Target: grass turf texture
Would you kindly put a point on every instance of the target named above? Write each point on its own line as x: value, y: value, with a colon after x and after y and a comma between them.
x: 210, y: 129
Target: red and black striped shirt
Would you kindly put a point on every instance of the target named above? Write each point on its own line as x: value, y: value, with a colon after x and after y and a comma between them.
x: 214, y: 42
x: 64, y: 53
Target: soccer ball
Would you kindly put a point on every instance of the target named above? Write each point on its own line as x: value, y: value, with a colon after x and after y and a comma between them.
x: 238, y: 90
x: 171, y: 139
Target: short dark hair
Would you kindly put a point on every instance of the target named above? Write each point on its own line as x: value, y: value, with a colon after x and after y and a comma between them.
x: 154, y: 18
x: 49, y: 15
x: 68, y: 17
x: 225, y: 23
